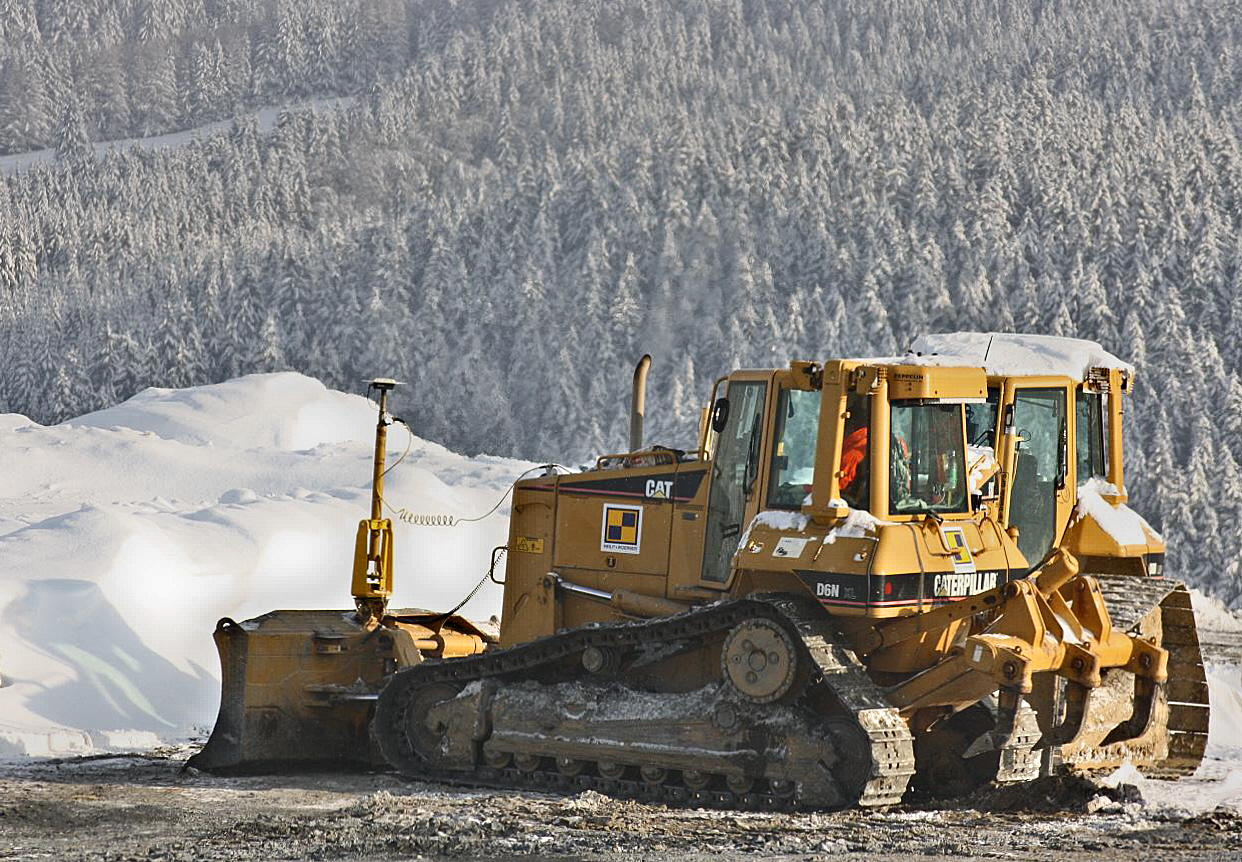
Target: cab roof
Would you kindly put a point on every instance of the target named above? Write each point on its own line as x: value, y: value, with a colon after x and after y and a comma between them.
x: 1007, y: 354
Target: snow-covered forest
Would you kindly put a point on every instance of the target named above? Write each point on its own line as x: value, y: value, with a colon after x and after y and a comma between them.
x: 525, y: 197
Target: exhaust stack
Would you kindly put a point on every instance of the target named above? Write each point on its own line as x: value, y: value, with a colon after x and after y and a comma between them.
x: 638, y: 403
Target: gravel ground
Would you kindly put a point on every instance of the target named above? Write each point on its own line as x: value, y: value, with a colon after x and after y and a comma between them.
x: 145, y: 807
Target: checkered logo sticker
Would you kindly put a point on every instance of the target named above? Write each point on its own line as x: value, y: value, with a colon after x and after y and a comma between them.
x: 955, y: 542
x: 623, y: 529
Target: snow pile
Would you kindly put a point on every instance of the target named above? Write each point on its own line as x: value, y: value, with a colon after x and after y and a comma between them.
x: 1217, y: 783
x: 1004, y: 353
x: 1123, y: 524
x: 1212, y: 615
x: 858, y: 524
x: 1225, y: 721
x: 125, y: 534
x: 775, y: 520
x: 287, y: 412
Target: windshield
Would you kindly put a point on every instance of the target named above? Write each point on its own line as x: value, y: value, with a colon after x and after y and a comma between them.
x: 793, y: 460
x: 926, y: 459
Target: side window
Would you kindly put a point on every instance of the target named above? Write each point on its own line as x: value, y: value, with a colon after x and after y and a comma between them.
x: 793, y: 459
x: 1089, y: 442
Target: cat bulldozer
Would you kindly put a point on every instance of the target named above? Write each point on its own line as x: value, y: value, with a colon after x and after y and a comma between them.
x: 869, y: 577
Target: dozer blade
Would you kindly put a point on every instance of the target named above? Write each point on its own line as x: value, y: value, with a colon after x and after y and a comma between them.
x: 296, y: 686
x: 299, y: 687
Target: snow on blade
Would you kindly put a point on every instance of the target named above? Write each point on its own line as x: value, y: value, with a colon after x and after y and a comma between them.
x: 127, y: 533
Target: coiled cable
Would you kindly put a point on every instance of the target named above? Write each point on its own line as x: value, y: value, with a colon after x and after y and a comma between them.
x: 419, y: 519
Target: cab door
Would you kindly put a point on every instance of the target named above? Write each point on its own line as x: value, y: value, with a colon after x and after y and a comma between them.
x: 1036, y: 438
x: 735, y: 477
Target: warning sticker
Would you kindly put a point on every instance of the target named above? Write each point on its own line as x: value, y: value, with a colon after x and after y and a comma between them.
x: 622, y: 530
x: 529, y: 546
x: 955, y: 541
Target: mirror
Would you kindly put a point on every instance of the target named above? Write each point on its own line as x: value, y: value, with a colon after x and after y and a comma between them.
x: 720, y: 415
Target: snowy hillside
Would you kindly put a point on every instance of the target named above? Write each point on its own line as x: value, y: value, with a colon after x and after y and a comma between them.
x: 125, y: 534
x: 522, y: 199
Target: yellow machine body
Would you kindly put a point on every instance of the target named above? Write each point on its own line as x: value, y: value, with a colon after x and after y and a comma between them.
x: 944, y: 607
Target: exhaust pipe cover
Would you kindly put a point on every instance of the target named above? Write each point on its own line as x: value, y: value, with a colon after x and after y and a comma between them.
x: 638, y: 402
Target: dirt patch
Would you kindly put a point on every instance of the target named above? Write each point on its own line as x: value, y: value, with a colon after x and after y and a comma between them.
x: 146, y: 808
x: 1051, y: 795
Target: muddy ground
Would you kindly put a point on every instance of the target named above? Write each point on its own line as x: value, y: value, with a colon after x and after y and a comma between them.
x: 145, y: 807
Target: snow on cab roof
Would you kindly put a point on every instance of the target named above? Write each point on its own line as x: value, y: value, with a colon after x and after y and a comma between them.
x: 1011, y: 354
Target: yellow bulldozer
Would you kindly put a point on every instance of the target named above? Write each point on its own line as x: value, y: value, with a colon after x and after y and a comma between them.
x: 868, y: 576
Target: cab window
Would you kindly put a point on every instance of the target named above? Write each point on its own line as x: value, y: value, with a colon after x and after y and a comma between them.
x: 927, y: 459
x: 1089, y: 436
x: 736, y: 456
x: 1040, y: 468
x: 793, y: 459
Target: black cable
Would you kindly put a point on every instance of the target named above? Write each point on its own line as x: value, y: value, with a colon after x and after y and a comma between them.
x: 466, y: 600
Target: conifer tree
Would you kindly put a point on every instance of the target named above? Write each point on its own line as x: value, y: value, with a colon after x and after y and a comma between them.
x: 73, y: 141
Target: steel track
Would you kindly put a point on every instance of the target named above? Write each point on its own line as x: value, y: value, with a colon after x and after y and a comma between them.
x: 557, y: 658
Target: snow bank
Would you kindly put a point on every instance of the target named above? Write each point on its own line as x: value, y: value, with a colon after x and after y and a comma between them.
x: 287, y: 412
x: 1217, y: 783
x: 125, y: 534
x: 1212, y: 615
x: 1003, y: 353
x: 1218, y: 780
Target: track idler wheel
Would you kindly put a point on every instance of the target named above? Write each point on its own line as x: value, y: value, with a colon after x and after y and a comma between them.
x: 610, y: 769
x: 427, y: 734
x: 570, y: 766
x: 760, y: 661
x: 696, y: 779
